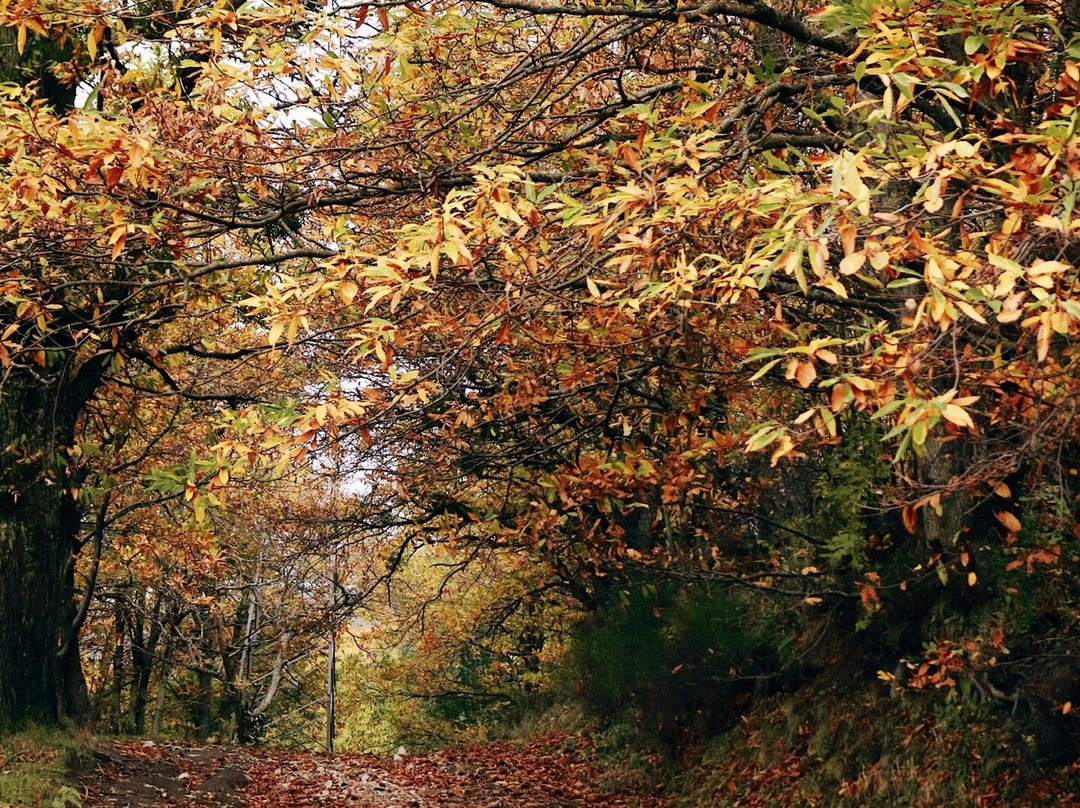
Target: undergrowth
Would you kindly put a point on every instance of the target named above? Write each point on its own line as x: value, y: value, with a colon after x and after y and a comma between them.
x: 836, y: 747
x: 34, y: 766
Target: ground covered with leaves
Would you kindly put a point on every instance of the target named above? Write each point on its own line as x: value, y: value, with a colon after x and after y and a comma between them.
x: 552, y: 771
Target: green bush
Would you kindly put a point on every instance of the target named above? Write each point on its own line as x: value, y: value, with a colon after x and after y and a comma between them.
x: 677, y: 661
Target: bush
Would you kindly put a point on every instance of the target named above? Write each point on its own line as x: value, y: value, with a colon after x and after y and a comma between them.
x: 677, y: 661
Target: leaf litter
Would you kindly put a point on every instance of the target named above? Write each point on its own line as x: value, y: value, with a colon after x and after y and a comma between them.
x: 549, y: 771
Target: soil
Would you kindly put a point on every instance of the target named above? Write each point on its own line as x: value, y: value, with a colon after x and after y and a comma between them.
x: 144, y: 774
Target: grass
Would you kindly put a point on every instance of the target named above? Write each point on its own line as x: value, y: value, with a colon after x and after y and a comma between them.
x: 34, y: 767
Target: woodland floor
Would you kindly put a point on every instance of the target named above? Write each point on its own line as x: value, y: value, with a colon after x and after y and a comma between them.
x: 551, y: 771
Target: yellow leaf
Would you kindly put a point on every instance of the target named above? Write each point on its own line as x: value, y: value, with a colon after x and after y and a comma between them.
x: 348, y: 291
x: 970, y: 311
x: 832, y: 283
x: 879, y: 259
x: 957, y: 415
x: 972, y: 579
x: 918, y: 433
x: 934, y: 201
x: 1049, y: 222
x: 275, y: 333
x: 1002, y: 491
x: 853, y: 263
x: 812, y: 601
x: 93, y: 38
x: 20, y: 43
x: 852, y: 182
x: 819, y: 256
x: 594, y: 290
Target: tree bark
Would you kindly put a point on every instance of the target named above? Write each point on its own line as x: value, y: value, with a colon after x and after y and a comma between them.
x: 38, y: 523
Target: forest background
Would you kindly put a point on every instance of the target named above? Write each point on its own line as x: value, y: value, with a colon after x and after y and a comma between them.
x: 703, y: 371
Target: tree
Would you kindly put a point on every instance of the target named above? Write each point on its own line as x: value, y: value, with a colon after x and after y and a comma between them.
x: 851, y: 237
x: 109, y: 235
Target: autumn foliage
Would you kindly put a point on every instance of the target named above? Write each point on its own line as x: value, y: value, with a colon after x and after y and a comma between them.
x: 572, y: 316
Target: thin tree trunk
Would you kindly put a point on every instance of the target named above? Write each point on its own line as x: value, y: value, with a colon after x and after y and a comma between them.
x: 171, y: 624
x: 204, y: 706
x: 143, y: 648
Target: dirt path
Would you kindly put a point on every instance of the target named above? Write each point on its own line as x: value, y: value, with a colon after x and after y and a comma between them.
x: 143, y: 774
x: 548, y: 772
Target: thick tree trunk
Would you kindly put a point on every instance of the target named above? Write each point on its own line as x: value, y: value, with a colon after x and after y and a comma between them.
x: 38, y: 520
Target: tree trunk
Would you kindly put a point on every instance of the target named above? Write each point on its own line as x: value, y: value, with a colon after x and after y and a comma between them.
x: 143, y: 650
x: 118, y: 672
x: 38, y: 521
x: 204, y: 706
x: 74, y: 697
x: 172, y: 621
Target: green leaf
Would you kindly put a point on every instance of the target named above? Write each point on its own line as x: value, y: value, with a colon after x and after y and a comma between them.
x: 765, y: 369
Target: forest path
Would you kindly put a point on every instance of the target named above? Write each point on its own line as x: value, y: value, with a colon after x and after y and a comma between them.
x: 551, y: 771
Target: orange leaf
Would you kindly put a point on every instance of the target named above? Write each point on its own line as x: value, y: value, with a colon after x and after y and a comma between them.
x: 119, y: 239
x: 505, y: 335
x: 839, y: 397
x: 911, y: 518
x: 1011, y: 523
x: 112, y: 176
